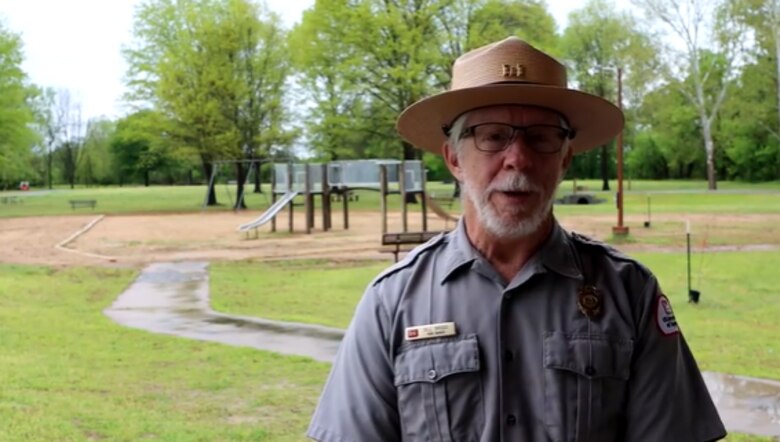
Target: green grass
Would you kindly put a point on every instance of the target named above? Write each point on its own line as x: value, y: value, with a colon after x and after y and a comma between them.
x: 667, y: 185
x: 755, y: 198
x: 310, y: 291
x: 734, y: 329
x: 70, y: 374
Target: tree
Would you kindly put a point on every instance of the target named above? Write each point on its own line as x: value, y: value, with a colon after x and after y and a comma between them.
x: 364, y: 61
x: 746, y: 126
x: 261, y: 67
x: 668, y: 145
x: 763, y: 18
x: 48, y: 128
x: 68, y: 131
x: 337, y: 121
x: 139, y: 147
x: 694, y: 22
x: 494, y: 20
x: 598, y: 41
x: 214, y: 69
x: 95, y: 164
x: 16, y: 114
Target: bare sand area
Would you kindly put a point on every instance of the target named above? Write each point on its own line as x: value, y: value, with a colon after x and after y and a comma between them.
x: 136, y: 240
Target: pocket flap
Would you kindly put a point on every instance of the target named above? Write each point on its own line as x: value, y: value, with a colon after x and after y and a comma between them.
x: 592, y: 356
x: 435, y: 360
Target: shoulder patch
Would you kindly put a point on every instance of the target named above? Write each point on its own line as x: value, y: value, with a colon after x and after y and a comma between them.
x: 411, y: 257
x: 664, y: 316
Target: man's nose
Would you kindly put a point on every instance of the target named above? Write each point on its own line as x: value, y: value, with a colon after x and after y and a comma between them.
x: 518, y: 155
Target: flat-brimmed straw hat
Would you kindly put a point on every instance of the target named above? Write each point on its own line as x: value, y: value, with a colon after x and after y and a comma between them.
x: 509, y: 72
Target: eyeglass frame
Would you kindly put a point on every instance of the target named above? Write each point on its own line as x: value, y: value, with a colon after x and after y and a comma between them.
x: 568, y: 134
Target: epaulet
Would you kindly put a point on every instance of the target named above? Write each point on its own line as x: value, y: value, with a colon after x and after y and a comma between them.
x: 411, y: 258
x: 592, y: 244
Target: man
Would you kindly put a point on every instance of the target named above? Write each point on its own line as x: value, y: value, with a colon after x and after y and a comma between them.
x: 510, y: 328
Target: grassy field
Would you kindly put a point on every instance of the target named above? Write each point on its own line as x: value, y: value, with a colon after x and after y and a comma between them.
x: 665, y: 197
x: 733, y: 329
x: 70, y: 374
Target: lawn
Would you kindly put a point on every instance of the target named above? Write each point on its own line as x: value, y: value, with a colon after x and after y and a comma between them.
x: 71, y: 374
x: 665, y: 197
x: 733, y: 329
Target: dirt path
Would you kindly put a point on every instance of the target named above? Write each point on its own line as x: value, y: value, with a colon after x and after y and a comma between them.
x: 136, y: 240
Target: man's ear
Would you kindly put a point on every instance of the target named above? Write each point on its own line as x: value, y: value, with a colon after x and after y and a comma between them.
x: 451, y: 160
x: 567, y: 159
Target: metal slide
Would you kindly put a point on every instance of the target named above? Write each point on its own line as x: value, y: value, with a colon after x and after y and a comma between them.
x: 269, y: 214
x: 439, y: 211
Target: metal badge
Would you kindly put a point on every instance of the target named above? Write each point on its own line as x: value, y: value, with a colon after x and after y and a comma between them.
x: 589, y: 301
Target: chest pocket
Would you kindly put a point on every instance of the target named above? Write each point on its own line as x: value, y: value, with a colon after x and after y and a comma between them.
x: 440, y: 390
x: 585, y: 384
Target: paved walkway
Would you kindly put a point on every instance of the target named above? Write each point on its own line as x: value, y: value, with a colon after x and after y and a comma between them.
x: 173, y: 298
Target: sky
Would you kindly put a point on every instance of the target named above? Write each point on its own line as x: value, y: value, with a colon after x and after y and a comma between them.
x: 76, y: 44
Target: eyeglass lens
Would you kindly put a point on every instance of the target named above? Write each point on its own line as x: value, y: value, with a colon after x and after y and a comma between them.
x: 495, y: 137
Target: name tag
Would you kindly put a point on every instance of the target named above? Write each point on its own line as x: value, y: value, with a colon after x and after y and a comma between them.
x: 429, y: 331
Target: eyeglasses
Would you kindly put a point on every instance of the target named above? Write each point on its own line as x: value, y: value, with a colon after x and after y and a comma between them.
x: 496, y: 137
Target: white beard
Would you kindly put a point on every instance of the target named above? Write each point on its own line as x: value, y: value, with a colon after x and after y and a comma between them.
x: 499, y: 226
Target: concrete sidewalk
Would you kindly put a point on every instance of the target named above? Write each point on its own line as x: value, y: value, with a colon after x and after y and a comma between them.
x: 173, y: 298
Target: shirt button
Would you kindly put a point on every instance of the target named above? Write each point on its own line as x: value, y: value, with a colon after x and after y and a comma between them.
x: 508, y: 356
x: 511, y: 420
x: 431, y: 374
x: 589, y: 370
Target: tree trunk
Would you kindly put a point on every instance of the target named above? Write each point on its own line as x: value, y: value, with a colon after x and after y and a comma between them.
x: 146, y: 177
x: 709, y: 147
x: 240, y: 178
x: 258, y: 181
x: 49, y: 160
x: 258, y: 188
x: 211, y: 195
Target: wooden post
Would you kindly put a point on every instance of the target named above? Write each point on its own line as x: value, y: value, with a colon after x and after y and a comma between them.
x: 620, y: 229
x: 273, y: 194
x: 308, y: 198
x: 326, y: 219
x: 383, y: 195
x: 402, y: 186
x: 423, y: 202
x: 290, y: 189
x: 344, y: 199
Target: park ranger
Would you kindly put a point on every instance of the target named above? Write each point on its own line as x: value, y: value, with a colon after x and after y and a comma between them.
x: 510, y: 328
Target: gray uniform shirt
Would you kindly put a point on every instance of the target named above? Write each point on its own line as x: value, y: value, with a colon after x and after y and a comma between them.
x: 529, y: 361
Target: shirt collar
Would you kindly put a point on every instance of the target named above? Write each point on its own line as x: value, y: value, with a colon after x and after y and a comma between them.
x: 556, y: 254
x: 462, y: 253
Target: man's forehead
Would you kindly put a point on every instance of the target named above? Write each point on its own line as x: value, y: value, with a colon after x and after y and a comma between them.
x: 514, y: 111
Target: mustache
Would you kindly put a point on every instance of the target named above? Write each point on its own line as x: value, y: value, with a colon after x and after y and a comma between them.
x: 516, y: 182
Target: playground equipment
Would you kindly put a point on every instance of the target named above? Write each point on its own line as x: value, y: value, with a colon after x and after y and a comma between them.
x: 268, y: 214
x: 438, y: 210
x: 339, y: 179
